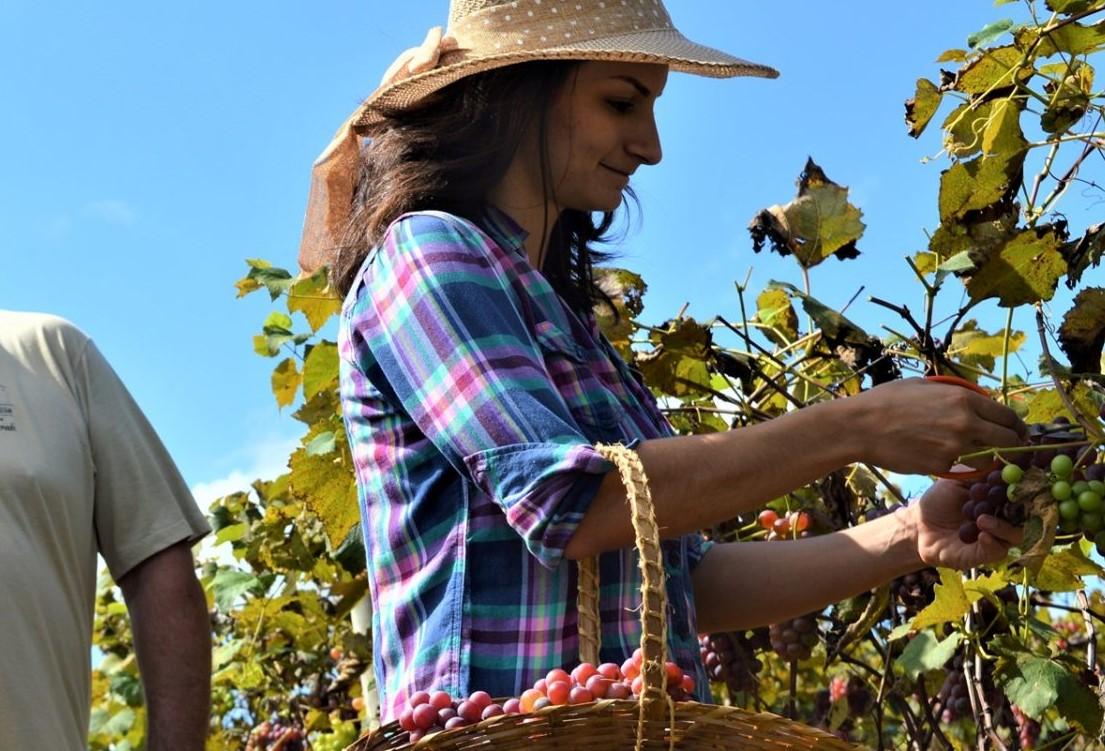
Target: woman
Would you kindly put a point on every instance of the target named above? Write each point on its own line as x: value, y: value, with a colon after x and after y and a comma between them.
x: 475, y: 382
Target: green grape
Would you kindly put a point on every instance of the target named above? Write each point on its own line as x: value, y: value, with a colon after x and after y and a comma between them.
x: 1089, y: 501
x: 1097, y: 486
x: 1091, y: 522
x: 1069, y: 510
x: 1099, y: 542
x: 1062, y: 465
x: 1011, y: 474
x: 1060, y: 490
x: 1010, y: 491
x: 1079, y: 488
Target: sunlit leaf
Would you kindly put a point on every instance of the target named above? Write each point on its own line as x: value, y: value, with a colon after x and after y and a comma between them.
x: 819, y: 223
x: 314, y: 297
x: 950, y: 602
x: 773, y: 309
x: 285, y: 382
x: 990, y: 32
x: 1027, y: 270
x: 320, y: 370
x: 920, y: 109
x: 925, y: 652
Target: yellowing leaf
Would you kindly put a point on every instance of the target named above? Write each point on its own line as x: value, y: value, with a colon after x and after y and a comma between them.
x: 950, y: 602
x: 325, y: 484
x: 773, y: 309
x: 1062, y: 570
x: 285, y: 381
x: 1045, y: 405
x: 1026, y: 271
x: 920, y: 109
x: 313, y: 297
x: 321, y: 368
x: 973, y: 185
x: 1003, y: 135
x: 994, y: 69
x: 819, y: 223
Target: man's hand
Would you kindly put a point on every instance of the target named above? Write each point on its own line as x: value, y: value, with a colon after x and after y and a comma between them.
x: 938, y: 517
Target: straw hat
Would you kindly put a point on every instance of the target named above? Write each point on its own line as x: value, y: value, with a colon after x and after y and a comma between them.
x: 486, y: 34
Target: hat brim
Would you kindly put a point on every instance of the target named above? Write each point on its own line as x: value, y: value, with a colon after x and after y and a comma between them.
x: 664, y: 47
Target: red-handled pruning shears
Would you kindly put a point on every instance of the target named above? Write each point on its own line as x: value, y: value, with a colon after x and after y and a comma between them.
x: 969, y: 474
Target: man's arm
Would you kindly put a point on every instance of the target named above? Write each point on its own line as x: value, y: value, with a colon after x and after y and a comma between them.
x: 172, y: 638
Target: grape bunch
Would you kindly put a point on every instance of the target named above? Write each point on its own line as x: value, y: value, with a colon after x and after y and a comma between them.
x: 730, y: 658
x: 341, y: 735
x: 953, y: 694
x: 792, y: 524
x: 795, y: 639
x: 1078, y: 491
x: 430, y: 712
x: 1028, y: 730
x: 276, y: 736
x: 915, y: 591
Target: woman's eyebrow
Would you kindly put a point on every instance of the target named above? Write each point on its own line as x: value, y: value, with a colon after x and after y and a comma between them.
x: 641, y: 88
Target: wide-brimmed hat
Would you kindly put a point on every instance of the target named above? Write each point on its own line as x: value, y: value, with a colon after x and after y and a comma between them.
x: 487, y: 34
x: 484, y: 35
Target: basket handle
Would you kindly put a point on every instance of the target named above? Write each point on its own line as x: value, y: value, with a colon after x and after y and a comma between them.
x: 654, y: 597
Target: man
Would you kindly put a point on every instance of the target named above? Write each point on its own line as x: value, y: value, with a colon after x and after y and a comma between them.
x: 82, y: 472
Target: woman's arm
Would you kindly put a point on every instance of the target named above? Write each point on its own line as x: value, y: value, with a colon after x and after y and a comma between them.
x: 911, y: 426
x: 744, y: 585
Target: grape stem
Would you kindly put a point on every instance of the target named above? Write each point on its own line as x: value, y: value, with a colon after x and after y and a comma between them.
x: 930, y: 718
x: 1091, y: 631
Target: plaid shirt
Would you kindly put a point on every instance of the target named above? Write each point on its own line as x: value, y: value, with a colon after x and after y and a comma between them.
x: 472, y: 399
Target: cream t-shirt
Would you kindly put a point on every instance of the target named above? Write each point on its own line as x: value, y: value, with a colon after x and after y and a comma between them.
x: 81, y: 472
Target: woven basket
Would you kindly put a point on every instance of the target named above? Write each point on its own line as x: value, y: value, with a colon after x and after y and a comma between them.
x: 654, y: 722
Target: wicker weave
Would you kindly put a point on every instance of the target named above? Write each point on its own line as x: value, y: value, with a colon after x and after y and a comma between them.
x: 651, y: 723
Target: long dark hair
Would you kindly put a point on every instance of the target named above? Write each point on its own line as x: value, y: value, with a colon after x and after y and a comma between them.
x: 450, y: 151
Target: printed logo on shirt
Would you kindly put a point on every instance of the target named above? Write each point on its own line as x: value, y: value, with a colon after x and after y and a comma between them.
x: 7, y: 412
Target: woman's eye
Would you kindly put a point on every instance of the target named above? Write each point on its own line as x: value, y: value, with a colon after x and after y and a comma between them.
x: 620, y: 105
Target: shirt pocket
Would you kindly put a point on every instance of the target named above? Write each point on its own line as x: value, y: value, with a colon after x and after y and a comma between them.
x: 593, y: 406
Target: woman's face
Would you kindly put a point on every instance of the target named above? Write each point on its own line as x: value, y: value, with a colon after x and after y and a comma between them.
x: 601, y: 128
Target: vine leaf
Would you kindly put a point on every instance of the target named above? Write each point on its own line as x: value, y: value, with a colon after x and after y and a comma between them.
x: 1084, y: 252
x: 977, y: 184
x: 854, y: 346
x: 1045, y: 405
x: 313, y: 297
x: 920, y: 109
x: 677, y: 364
x: 924, y: 652
x: 819, y: 223
x: 1062, y: 571
x: 320, y: 369
x: 625, y: 291
x: 325, y: 484
x: 1082, y: 334
x: 990, y: 32
x: 1025, y: 271
x: 973, y: 346
x: 773, y: 309
x: 1035, y: 684
x: 949, y: 604
x: 1034, y: 492
x: 992, y: 72
x: 285, y: 382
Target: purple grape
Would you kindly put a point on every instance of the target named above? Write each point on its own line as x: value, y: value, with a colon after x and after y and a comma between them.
x: 978, y: 491
x: 969, y: 510
x: 995, y: 496
x: 968, y: 532
x: 1096, y: 472
x: 986, y: 508
x: 1042, y: 459
x: 994, y: 478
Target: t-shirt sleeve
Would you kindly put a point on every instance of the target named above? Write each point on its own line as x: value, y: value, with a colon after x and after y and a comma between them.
x: 446, y: 330
x: 142, y: 504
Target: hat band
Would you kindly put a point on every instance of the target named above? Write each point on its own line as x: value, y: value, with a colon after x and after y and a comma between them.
x: 540, y: 24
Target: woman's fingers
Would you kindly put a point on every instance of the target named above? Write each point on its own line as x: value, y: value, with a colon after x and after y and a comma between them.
x: 1000, y: 530
x: 999, y: 415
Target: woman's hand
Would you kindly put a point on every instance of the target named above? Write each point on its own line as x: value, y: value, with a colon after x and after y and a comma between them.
x: 916, y: 426
x: 937, y: 517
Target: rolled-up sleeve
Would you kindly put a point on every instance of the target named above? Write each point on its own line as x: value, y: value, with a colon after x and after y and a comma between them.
x: 438, y: 314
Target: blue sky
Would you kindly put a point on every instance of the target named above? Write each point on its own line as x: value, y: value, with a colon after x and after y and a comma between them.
x: 149, y: 148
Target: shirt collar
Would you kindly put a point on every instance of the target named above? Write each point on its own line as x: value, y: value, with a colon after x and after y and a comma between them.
x: 504, y: 230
